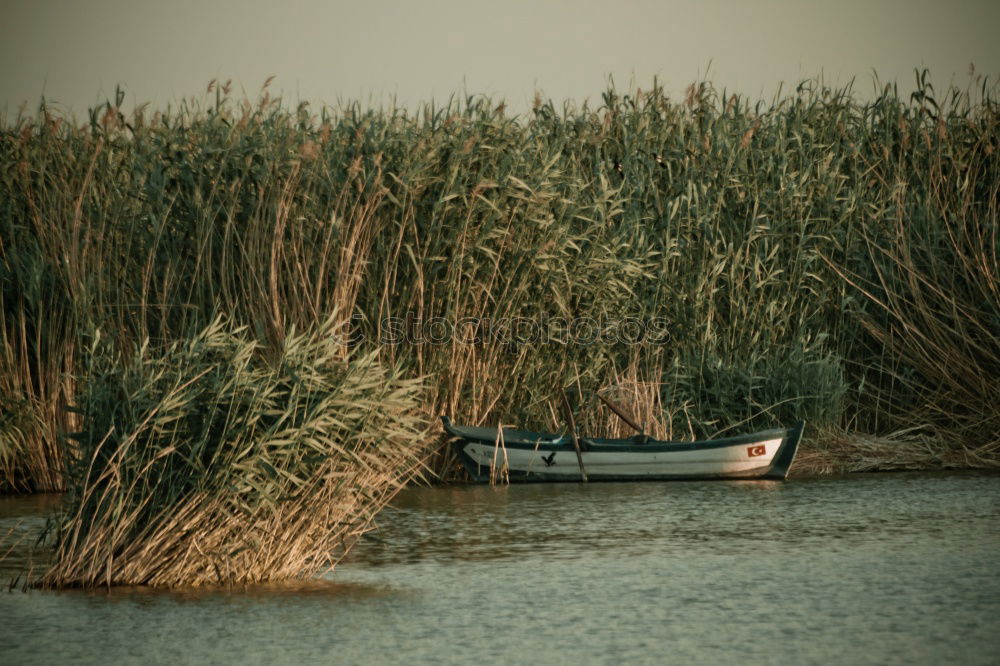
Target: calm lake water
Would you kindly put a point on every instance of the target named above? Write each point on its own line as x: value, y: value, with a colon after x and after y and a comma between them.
x: 893, y: 568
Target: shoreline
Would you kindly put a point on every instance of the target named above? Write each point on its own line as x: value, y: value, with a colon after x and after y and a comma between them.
x: 838, y: 454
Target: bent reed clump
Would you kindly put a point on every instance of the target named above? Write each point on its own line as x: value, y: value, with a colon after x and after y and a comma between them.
x: 205, y: 462
x: 805, y: 258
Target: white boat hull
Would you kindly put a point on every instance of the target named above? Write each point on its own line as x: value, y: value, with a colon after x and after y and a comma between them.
x: 521, y: 455
x: 732, y: 461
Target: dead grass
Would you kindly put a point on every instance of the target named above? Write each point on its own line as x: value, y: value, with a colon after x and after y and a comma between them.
x: 835, y: 451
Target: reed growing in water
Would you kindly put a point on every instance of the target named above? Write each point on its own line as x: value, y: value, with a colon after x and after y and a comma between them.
x: 819, y: 256
x: 206, y: 462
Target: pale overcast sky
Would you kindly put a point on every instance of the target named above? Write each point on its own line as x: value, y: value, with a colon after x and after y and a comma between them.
x: 75, y: 51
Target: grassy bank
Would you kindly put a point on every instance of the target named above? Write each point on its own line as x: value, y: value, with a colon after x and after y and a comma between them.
x: 820, y: 256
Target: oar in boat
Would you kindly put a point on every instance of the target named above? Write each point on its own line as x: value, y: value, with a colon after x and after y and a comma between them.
x: 624, y: 417
x: 620, y: 412
x: 572, y: 433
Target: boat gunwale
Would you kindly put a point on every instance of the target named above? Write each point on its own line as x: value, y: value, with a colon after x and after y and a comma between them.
x: 523, y: 439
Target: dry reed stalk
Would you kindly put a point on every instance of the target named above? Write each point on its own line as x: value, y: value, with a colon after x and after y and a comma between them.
x: 836, y: 451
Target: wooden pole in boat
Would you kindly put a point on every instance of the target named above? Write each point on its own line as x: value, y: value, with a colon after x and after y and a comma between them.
x: 620, y: 412
x: 572, y: 433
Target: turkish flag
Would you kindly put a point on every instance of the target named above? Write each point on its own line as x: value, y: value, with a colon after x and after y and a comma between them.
x: 758, y: 450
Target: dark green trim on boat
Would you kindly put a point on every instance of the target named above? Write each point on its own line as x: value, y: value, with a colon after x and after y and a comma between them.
x: 782, y: 461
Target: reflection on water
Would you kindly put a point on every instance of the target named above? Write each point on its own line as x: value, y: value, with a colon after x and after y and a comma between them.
x: 22, y: 520
x: 631, y: 519
x: 864, y: 569
x: 321, y: 588
x: 565, y: 521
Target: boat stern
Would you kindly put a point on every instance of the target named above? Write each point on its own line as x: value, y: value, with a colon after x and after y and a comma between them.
x: 782, y: 461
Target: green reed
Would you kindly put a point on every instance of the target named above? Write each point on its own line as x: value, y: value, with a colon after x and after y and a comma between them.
x: 210, y: 461
x: 774, y: 244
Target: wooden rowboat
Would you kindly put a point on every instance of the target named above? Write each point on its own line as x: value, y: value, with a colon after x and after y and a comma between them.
x: 537, y: 456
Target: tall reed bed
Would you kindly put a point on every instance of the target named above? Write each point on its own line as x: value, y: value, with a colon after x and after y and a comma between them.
x: 773, y: 250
